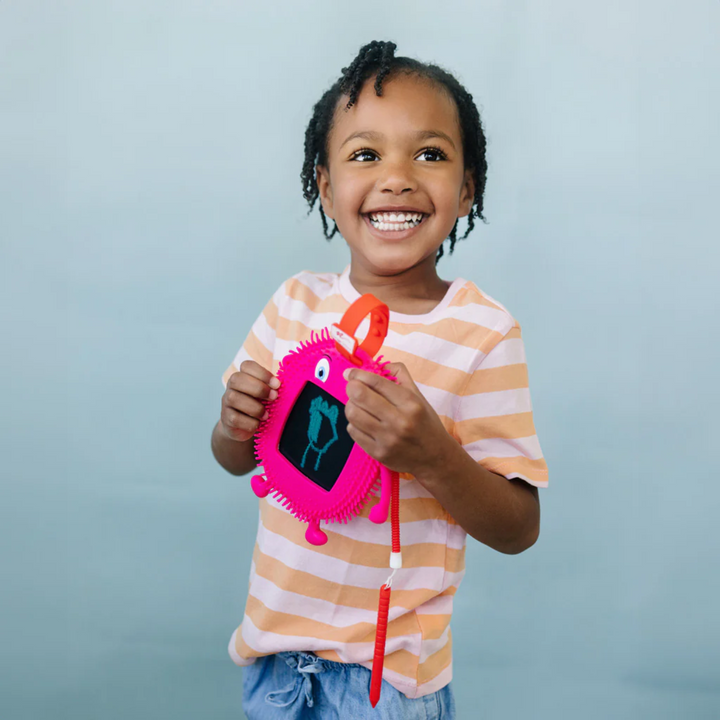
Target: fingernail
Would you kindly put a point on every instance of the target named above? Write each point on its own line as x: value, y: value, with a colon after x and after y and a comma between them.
x: 273, y: 394
x: 345, y: 373
x: 274, y: 383
x: 265, y: 416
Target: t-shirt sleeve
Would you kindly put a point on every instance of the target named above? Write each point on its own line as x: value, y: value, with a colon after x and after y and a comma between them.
x: 259, y: 344
x: 494, y: 420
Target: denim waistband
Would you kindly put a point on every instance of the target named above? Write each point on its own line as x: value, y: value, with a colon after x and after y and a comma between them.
x: 306, y: 664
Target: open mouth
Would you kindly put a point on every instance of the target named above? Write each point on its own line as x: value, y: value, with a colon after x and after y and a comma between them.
x: 394, y: 222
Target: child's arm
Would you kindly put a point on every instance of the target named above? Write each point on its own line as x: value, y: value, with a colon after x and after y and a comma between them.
x: 396, y: 425
x: 502, y: 513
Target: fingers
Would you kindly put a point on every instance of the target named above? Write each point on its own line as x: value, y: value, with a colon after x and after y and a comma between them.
x: 237, y: 425
x: 243, y: 404
x: 254, y: 370
x: 390, y: 391
x: 361, y: 419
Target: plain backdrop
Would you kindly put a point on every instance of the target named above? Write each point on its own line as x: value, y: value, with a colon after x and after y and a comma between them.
x: 150, y: 202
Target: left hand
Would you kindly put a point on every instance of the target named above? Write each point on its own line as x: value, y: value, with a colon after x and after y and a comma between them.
x: 393, y: 422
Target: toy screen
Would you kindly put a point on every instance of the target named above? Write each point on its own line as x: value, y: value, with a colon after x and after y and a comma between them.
x: 315, y: 438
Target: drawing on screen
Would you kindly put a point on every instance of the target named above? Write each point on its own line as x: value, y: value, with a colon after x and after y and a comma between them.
x: 320, y: 409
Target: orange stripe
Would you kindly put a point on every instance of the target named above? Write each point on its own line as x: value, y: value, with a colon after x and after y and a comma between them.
x: 329, y: 655
x: 298, y: 291
x: 309, y: 585
x: 411, y: 509
x: 517, y: 425
x: 433, y: 626
x: 404, y: 663
x: 356, y: 552
x: 506, y: 377
x: 282, y: 623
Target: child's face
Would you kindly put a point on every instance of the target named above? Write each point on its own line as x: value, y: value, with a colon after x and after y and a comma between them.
x: 396, y: 169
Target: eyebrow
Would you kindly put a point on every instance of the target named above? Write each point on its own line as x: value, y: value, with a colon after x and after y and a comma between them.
x: 419, y: 135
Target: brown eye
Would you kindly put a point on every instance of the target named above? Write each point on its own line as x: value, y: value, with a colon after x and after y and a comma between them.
x: 437, y: 152
x: 360, y: 154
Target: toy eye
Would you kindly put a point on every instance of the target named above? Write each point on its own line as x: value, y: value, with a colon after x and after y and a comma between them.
x: 322, y: 369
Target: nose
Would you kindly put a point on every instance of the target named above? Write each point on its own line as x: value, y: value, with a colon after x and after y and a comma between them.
x: 397, y: 177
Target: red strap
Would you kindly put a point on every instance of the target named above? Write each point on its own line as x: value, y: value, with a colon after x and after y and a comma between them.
x: 384, y: 602
x: 379, y: 313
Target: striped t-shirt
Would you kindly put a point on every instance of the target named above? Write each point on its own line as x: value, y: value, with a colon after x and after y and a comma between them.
x: 467, y: 358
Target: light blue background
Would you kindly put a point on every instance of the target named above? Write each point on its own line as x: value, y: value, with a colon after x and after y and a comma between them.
x: 149, y: 203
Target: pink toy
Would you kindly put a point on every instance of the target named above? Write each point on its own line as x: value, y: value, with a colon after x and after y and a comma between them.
x: 311, y: 463
x: 309, y: 459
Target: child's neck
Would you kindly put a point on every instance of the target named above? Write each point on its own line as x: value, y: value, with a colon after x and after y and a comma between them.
x: 415, y: 291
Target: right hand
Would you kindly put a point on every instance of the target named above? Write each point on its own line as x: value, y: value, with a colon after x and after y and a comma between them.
x: 242, y: 406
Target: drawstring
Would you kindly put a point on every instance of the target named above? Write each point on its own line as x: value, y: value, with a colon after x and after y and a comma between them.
x: 306, y: 665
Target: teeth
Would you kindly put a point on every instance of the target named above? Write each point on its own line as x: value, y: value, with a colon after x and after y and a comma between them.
x: 395, y: 221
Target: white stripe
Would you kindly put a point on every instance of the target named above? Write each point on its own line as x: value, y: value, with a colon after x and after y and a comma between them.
x: 298, y: 311
x: 528, y: 447
x: 437, y: 349
x: 494, y: 403
x: 506, y: 352
x: 442, y: 401
x: 237, y: 659
x: 340, y: 571
x: 321, y: 284
x: 439, y: 605
x: 430, y: 647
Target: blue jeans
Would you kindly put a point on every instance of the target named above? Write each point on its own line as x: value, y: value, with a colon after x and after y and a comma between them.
x: 298, y: 685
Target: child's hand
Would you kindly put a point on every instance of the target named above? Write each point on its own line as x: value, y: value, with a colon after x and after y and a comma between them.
x: 393, y: 422
x: 242, y: 408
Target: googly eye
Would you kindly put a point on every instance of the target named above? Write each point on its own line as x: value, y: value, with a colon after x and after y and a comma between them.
x: 322, y: 369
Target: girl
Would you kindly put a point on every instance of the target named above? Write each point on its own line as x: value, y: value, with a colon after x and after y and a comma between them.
x: 395, y: 152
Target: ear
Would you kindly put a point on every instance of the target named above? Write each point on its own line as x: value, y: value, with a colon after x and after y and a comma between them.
x: 467, y: 194
x: 324, y: 190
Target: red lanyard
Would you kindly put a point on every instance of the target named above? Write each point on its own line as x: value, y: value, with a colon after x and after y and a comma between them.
x: 384, y: 601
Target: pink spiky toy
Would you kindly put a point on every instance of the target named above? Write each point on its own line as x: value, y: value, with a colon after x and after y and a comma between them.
x: 312, y: 465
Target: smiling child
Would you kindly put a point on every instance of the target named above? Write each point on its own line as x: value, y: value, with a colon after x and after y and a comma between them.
x: 395, y: 154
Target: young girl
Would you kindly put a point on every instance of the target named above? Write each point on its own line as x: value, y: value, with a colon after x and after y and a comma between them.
x: 395, y: 152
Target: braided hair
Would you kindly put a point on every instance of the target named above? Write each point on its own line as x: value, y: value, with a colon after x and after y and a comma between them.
x: 378, y: 57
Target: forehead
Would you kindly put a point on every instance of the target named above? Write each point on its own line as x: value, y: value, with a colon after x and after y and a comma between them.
x: 408, y: 104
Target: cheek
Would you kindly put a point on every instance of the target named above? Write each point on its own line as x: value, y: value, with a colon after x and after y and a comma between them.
x: 446, y: 195
x: 350, y: 193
